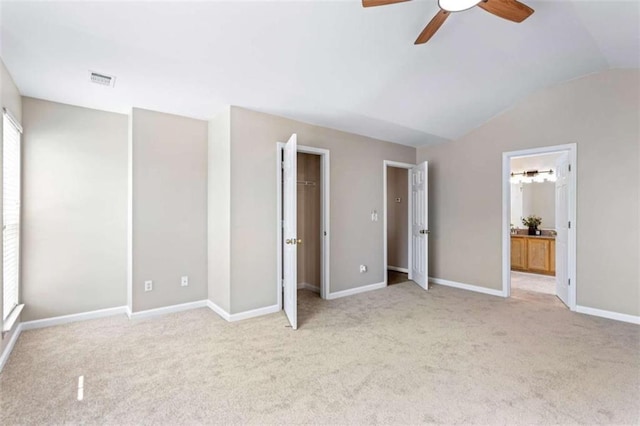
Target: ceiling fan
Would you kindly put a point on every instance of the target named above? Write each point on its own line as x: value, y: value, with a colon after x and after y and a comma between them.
x: 511, y: 10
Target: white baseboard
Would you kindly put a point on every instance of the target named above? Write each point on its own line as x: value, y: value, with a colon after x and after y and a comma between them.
x: 352, y: 291
x: 633, y: 319
x: 7, y: 349
x: 168, y: 309
x: 65, y: 319
x: 397, y: 269
x: 468, y: 287
x: 255, y: 313
x: 242, y: 315
x: 218, y: 310
x: 307, y: 286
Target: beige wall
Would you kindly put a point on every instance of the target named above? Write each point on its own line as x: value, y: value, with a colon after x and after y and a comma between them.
x: 73, y: 210
x: 598, y: 112
x: 308, y: 220
x: 397, y: 213
x: 356, y: 190
x: 169, y: 208
x: 10, y: 99
x: 219, y: 210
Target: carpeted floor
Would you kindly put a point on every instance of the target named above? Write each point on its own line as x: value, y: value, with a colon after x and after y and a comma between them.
x: 394, y: 356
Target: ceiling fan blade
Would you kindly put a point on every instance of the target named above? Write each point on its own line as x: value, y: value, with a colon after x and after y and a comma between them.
x: 432, y: 26
x: 512, y: 10
x: 371, y: 3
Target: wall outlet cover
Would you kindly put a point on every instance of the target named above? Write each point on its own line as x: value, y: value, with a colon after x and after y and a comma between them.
x: 363, y: 269
x: 184, y: 281
x: 148, y: 285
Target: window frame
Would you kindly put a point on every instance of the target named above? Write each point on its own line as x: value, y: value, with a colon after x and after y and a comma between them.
x: 10, y: 318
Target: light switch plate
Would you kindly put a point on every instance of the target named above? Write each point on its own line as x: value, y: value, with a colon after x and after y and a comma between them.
x: 184, y: 281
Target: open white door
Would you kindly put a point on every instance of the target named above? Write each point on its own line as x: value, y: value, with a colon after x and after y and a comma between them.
x: 562, y: 228
x: 289, y: 240
x: 420, y: 225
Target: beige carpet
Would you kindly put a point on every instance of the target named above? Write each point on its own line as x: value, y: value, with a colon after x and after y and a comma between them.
x: 394, y: 356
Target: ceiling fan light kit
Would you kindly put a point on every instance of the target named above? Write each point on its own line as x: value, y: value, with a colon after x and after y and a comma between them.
x: 511, y: 10
x: 457, y: 5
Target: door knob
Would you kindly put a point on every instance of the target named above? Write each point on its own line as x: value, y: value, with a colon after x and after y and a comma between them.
x: 425, y: 231
x: 289, y: 241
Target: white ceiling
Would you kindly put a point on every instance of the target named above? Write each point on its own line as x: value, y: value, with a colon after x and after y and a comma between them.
x: 331, y: 63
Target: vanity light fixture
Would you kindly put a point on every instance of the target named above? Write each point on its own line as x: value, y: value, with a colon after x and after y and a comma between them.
x: 530, y: 176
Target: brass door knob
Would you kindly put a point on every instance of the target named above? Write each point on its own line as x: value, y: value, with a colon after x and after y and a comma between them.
x: 289, y: 241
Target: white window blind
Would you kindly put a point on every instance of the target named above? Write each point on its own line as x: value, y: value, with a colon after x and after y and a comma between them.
x: 10, y: 212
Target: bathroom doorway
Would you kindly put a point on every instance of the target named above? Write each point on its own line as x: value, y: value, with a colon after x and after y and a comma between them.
x: 539, y: 218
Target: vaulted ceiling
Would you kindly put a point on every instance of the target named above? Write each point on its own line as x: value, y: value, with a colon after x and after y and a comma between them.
x: 331, y: 63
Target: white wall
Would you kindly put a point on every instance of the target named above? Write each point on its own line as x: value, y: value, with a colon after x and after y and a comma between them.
x: 73, y: 210
x: 219, y: 210
x: 517, y: 202
x: 540, y: 200
x: 169, y: 208
x: 599, y: 113
x: 536, y: 198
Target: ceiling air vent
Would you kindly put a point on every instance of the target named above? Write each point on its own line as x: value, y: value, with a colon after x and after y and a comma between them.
x: 102, y: 79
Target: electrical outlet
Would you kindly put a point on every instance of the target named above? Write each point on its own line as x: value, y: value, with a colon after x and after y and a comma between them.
x: 184, y: 281
x: 148, y: 285
x: 363, y: 269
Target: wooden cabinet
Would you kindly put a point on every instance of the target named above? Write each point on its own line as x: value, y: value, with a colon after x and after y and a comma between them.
x: 533, y: 254
x: 538, y: 253
x: 518, y: 253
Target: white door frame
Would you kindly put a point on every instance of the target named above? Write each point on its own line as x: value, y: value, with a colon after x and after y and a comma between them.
x: 399, y: 165
x: 572, y: 149
x: 325, y: 245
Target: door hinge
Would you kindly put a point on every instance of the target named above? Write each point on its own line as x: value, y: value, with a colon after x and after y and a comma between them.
x: 569, y: 166
x: 325, y: 233
x: 569, y: 281
x: 282, y: 224
x: 569, y: 224
x: 282, y: 165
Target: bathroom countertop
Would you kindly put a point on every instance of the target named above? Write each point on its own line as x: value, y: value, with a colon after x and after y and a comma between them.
x: 547, y: 237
